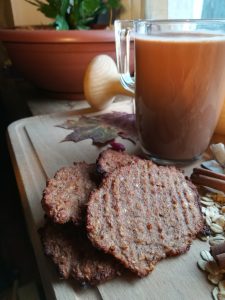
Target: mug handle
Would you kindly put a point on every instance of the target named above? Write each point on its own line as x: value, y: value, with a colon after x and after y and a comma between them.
x: 123, y: 37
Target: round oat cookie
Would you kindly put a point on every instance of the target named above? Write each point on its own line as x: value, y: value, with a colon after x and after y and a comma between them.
x: 74, y: 255
x: 65, y: 196
x: 142, y: 213
x: 110, y: 159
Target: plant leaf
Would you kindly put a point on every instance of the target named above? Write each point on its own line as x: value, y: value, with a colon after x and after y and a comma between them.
x: 89, y: 7
x: 61, y: 23
x: 35, y: 3
x: 65, y: 4
x: 48, y: 11
x: 74, y: 14
x: 101, y: 129
x: 82, y: 27
x: 112, y: 4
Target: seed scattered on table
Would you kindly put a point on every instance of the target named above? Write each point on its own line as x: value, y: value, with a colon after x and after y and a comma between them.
x: 213, y: 210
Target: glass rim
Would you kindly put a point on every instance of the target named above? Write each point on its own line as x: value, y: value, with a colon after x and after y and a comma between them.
x: 176, y: 21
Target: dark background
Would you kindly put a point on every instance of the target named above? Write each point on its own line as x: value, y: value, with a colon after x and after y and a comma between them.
x: 17, y: 262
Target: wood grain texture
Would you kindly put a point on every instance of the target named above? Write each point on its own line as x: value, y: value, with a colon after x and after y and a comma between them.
x: 99, y: 92
x: 37, y: 153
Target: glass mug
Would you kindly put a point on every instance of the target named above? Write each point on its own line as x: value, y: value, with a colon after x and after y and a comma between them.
x: 179, y: 83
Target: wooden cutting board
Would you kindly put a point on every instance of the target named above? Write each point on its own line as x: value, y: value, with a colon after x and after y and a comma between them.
x: 37, y: 153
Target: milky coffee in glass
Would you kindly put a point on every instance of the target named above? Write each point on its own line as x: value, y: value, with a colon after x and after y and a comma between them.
x: 179, y: 86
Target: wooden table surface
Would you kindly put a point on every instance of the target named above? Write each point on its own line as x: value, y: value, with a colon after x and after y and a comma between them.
x: 37, y: 153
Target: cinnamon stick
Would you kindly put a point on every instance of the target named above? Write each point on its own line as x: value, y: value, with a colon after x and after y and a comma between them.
x: 211, y: 182
x: 220, y: 259
x: 217, y: 249
x: 218, y: 253
x: 209, y: 173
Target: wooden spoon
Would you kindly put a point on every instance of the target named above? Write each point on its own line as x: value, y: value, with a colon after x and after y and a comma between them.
x: 102, y: 82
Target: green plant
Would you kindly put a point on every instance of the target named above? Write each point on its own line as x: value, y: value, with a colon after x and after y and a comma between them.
x: 75, y: 14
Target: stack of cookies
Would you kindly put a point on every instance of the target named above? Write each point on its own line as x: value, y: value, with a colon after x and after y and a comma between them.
x: 121, y: 213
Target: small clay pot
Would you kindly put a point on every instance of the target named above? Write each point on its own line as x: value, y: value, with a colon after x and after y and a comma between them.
x: 55, y: 61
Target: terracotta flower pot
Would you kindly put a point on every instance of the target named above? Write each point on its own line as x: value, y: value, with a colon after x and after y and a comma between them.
x: 55, y: 61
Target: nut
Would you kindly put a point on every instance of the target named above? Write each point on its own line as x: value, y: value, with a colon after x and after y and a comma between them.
x: 212, y: 268
x: 215, y: 279
x: 213, y: 211
x: 221, y: 287
x: 218, y: 198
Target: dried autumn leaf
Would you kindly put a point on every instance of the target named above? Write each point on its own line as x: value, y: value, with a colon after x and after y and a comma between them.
x: 125, y: 124
x: 101, y: 129
x: 98, y: 134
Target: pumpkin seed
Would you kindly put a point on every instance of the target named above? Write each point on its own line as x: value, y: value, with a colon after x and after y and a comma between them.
x: 202, y: 264
x: 212, y: 211
x: 206, y: 255
x: 203, y: 209
x: 203, y: 238
x: 207, y: 203
x: 216, y: 228
x: 207, y: 199
x: 208, y: 220
x: 218, y: 205
x: 216, y: 240
x: 215, y: 217
x: 215, y: 293
x: 220, y: 236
